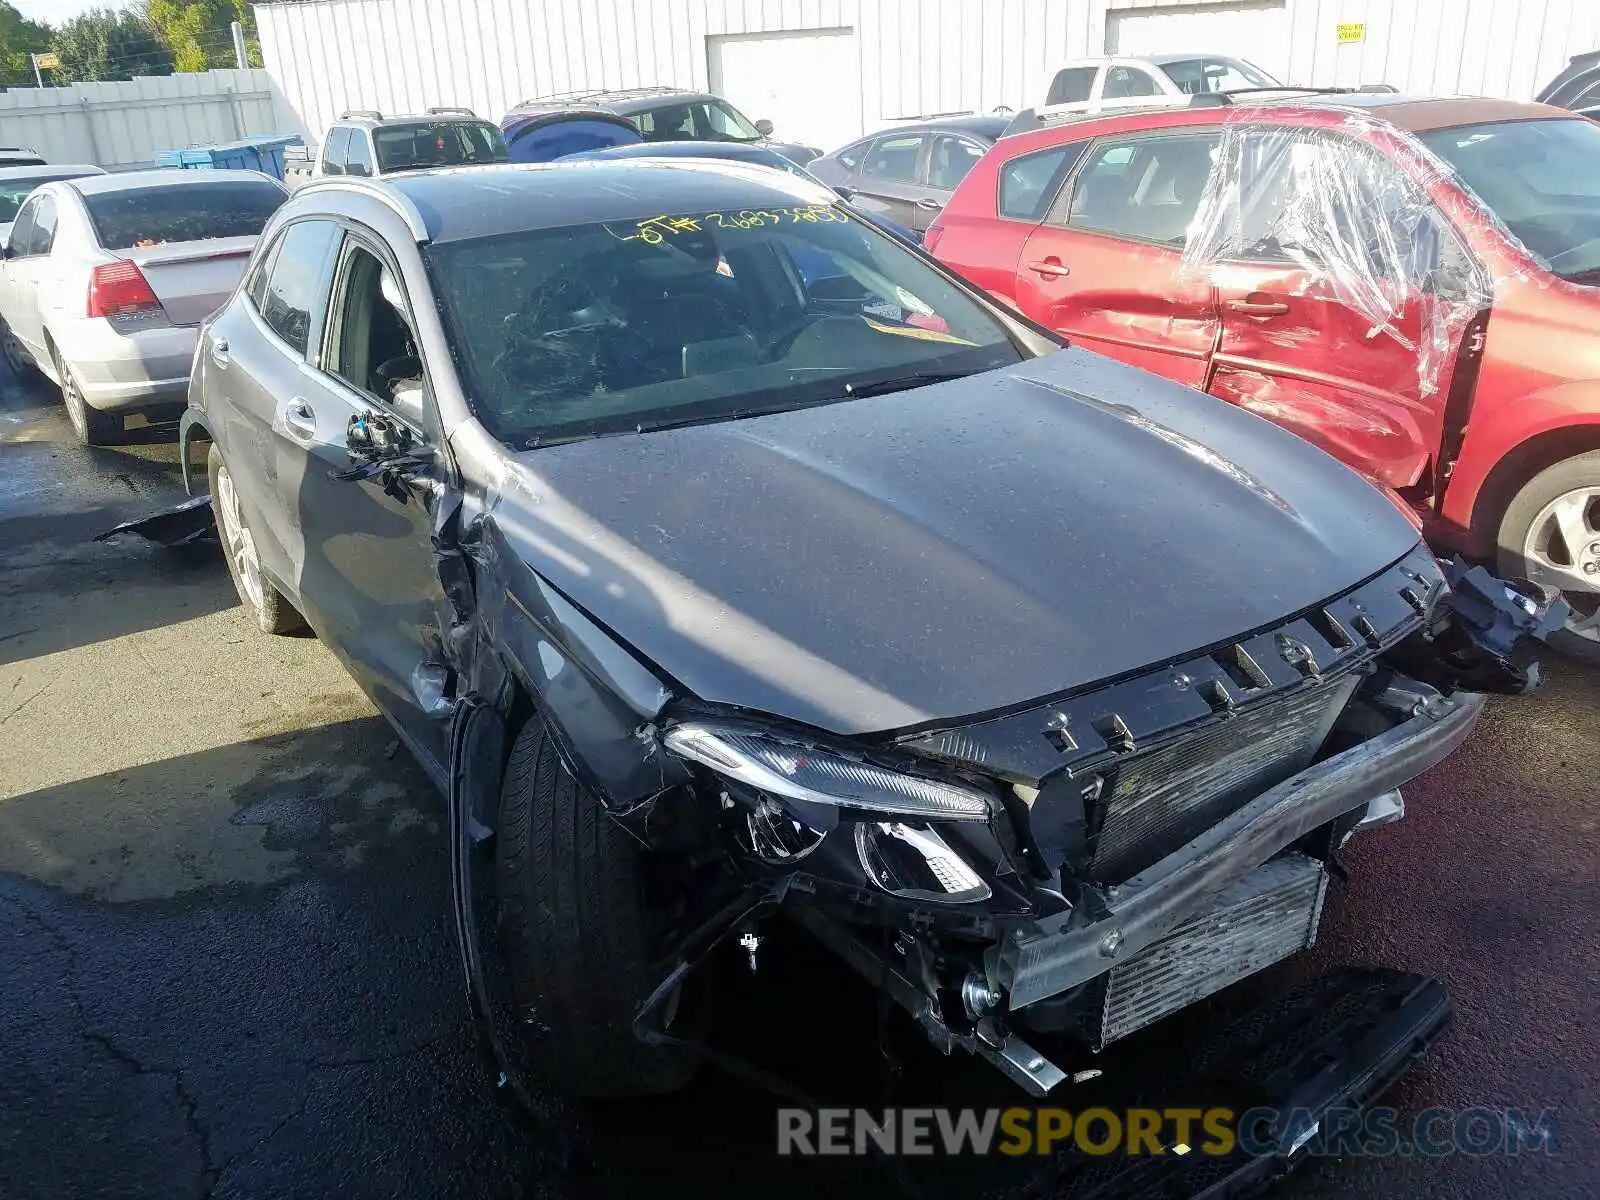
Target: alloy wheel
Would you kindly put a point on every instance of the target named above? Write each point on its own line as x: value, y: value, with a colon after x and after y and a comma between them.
x: 1562, y: 549
x: 241, y: 546
x: 73, y: 399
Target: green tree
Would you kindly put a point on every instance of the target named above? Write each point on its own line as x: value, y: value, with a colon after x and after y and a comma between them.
x: 109, y: 44
x: 200, y: 32
x: 19, y: 37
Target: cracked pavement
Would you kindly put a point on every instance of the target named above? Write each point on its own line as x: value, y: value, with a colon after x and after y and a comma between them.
x: 229, y: 969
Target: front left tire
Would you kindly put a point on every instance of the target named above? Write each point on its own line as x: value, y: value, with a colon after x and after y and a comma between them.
x: 576, y: 928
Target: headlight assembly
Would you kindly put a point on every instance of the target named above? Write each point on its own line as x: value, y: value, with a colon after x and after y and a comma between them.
x: 811, y: 775
x: 916, y: 864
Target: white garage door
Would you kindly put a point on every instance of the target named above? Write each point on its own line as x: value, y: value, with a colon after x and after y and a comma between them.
x: 807, y: 83
x: 1254, y: 30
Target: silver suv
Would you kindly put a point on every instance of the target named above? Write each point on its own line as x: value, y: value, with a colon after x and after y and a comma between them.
x: 365, y: 142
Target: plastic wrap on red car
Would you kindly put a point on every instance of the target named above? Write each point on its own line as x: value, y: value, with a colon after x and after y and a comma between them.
x: 1357, y: 216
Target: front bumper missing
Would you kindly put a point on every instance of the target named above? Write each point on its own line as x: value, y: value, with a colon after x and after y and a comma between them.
x: 1046, y: 958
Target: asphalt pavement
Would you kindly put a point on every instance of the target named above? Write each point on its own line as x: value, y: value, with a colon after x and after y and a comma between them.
x: 227, y: 969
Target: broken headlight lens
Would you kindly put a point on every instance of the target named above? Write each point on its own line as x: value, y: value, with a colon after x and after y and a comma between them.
x: 811, y: 775
x: 916, y: 864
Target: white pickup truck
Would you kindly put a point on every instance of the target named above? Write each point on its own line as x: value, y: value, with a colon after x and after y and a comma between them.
x: 365, y: 142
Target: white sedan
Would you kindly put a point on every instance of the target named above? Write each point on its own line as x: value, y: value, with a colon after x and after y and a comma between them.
x: 107, y: 278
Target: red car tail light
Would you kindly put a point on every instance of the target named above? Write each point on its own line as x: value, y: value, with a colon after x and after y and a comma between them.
x: 119, y: 288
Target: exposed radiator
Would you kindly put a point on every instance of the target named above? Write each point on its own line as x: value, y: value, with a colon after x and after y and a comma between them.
x: 1158, y: 799
x: 1266, y: 916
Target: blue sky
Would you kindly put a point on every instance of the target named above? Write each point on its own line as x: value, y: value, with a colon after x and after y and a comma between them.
x: 56, y: 11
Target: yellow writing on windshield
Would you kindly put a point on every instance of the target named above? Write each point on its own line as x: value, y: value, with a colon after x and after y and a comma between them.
x: 655, y: 230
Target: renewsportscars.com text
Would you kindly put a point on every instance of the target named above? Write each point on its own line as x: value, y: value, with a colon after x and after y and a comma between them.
x: 1374, y: 1132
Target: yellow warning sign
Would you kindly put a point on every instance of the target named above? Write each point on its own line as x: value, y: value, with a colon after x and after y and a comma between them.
x: 1351, y: 31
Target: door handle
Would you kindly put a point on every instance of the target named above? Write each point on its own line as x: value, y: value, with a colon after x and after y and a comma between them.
x: 1050, y: 268
x: 298, y: 418
x: 1258, y: 308
x: 219, y: 352
x: 929, y: 202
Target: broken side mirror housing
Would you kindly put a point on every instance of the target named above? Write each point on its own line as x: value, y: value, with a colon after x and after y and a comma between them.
x: 378, y: 436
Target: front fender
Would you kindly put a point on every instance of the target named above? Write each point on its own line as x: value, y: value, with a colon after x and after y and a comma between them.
x: 600, y: 700
x: 1503, y: 431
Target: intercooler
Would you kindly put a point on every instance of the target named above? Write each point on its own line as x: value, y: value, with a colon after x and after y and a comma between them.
x: 1266, y: 916
x: 1156, y: 800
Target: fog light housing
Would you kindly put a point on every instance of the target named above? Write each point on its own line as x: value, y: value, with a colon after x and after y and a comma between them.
x: 916, y: 864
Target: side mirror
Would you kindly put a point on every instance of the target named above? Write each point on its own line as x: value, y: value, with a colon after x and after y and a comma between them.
x: 845, y: 193
x: 764, y: 127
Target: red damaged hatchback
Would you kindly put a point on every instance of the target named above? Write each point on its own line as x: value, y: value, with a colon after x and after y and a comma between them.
x: 1411, y: 284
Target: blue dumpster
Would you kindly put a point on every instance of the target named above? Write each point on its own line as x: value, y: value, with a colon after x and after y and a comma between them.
x: 264, y: 154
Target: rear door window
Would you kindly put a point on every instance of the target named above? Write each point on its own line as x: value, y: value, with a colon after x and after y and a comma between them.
x: 182, y: 212
x: 949, y: 160
x: 22, y: 229
x: 335, y: 150
x: 297, y: 280
x: 358, y: 157
x: 1125, y: 82
x: 1146, y: 188
x: 43, y: 236
x: 425, y: 144
x: 1028, y: 184
x: 893, y: 158
x: 1071, y: 86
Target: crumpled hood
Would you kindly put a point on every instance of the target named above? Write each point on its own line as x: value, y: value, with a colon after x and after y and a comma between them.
x: 947, y: 551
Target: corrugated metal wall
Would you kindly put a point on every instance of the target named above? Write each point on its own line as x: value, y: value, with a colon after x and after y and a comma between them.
x: 915, y: 56
x: 123, y: 125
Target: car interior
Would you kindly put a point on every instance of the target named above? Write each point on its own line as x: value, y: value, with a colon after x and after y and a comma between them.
x: 570, y: 330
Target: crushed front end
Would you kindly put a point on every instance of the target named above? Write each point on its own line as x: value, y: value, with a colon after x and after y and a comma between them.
x: 1075, y: 870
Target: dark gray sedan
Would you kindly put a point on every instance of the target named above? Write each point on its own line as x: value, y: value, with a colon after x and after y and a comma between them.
x: 712, y: 590
x: 909, y: 172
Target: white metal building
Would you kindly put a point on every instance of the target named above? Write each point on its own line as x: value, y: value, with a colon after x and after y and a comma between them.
x: 825, y: 70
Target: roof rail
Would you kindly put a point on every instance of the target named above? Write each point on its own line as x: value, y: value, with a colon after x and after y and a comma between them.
x: 359, y: 113
x: 596, y: 93
x: 441, y: 109
x: 397, y: 201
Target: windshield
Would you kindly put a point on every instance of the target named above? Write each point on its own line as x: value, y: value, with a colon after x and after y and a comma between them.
x: 186, y: 212
x: 701, y: 121
x: 14, y: 191
x: 438, y: 144
x: 1541, y: 178
x: 605, y: 328
x: 1195, y: 75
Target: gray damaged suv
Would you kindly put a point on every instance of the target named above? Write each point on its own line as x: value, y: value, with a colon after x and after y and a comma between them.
x: 726, y: 561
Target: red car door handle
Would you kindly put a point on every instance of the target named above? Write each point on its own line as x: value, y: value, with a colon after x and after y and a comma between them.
x: 1050, y: 268
x: 1252, y: 307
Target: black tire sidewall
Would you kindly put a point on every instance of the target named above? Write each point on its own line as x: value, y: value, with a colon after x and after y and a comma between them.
x: 1518, y: 517
x: 574, y: 930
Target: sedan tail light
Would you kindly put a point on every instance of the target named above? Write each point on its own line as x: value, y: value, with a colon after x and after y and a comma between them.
x: 119, y: 288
